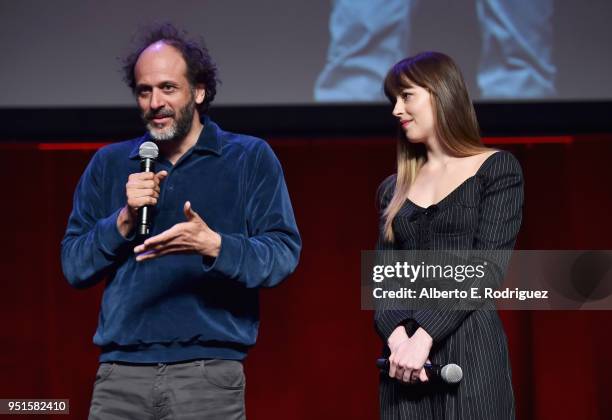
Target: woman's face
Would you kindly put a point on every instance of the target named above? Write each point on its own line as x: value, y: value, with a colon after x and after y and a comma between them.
x: 414, y: 111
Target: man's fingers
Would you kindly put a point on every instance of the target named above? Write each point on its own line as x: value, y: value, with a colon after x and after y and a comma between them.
x: 143, y: 253
x: 145, y: 193
x: 146, y: 177
x: 148, y: 255
x: 153, y: 253
x: 137, y: 203
x: 141, y: 176
x: 190, y: 213
x: 158, y: 240
x: 161, y: 175
x: 141, y: 184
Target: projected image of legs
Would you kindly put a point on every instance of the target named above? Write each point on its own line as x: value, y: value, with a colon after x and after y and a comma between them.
x: 368, y: 36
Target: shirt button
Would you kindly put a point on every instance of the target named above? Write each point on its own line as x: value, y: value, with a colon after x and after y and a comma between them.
x: 431, y: 210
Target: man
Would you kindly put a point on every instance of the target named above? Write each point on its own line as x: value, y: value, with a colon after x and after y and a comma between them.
x: 180, y: 309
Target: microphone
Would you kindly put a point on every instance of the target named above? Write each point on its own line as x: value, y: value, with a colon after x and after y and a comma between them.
x: 450, y: 373
x: 148, y: 152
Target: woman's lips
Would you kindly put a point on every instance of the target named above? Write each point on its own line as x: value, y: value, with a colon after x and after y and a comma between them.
x: 406, y: 123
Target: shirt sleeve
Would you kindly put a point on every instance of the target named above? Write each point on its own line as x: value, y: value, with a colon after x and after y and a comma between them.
x: 92, y: 243
x: 271, y: 249
x: 500, y: 219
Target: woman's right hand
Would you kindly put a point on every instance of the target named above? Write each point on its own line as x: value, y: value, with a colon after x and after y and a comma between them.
x: 397, y: 337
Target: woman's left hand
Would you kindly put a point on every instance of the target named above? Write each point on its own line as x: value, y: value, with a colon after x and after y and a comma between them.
x: 408, y: 357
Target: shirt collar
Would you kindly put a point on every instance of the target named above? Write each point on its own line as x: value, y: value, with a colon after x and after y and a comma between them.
x: 209, y: 140
x: 210, y: 137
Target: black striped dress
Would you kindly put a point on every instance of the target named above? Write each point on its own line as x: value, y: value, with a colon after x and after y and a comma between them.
x: 484, y: 213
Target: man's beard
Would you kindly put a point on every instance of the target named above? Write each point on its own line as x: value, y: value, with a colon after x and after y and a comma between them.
x: 178, y: 128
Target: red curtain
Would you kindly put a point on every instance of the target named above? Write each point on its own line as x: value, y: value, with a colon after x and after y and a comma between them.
x: 316, y: 350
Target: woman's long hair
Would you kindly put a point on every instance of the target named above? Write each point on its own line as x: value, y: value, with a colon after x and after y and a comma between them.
x: 455, y: 123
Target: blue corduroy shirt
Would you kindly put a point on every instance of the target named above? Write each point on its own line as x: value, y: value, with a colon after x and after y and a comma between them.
x: 184, y: 306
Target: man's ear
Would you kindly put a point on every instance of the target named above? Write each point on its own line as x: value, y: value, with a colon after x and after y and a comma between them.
x: 200, y: 93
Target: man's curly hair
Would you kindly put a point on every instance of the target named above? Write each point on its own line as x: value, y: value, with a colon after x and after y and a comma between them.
x: 200, y: 67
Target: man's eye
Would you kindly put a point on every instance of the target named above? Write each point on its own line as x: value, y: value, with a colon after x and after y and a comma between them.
x: 168, y: 88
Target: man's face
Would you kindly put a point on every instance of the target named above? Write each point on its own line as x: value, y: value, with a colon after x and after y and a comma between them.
x: 165, y: 97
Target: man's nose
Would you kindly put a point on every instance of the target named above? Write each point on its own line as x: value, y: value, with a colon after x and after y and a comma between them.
x: 157, y: 99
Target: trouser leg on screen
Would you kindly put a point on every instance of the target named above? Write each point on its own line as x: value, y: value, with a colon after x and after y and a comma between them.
x: 203, y: 389
x: 517, y: 44
x: 366, y: 38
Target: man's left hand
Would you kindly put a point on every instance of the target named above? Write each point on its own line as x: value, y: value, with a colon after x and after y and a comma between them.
x: 192, y: 236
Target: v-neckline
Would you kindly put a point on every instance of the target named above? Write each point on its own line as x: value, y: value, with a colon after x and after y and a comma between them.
x: 458, y: 187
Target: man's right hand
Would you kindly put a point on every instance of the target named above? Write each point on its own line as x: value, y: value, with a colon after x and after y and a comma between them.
x: 142, y: 189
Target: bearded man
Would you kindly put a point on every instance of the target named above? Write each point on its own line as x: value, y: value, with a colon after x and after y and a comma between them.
x: 180, y: 306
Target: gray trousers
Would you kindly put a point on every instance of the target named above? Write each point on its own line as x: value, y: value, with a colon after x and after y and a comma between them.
x: 202, y: 389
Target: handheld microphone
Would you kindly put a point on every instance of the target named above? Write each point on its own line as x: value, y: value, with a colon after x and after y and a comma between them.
x: 148, y: 152
x: 450, y: 373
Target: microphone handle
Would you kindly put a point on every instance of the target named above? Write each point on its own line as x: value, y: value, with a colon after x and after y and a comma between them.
x: 383, y: 364
x: 146, y: 165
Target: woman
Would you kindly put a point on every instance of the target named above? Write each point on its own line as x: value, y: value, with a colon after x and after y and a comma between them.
x: 450, y: 193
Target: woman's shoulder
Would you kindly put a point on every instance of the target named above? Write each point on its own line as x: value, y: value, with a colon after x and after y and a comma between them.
x: 500, y: 162
x: 500, y: 172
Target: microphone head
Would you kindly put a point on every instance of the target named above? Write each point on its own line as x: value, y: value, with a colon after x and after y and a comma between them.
x: 451, y: 373
x: 148, y: 150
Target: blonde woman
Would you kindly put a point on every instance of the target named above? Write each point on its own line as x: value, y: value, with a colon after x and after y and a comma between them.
x: 450, y: 193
